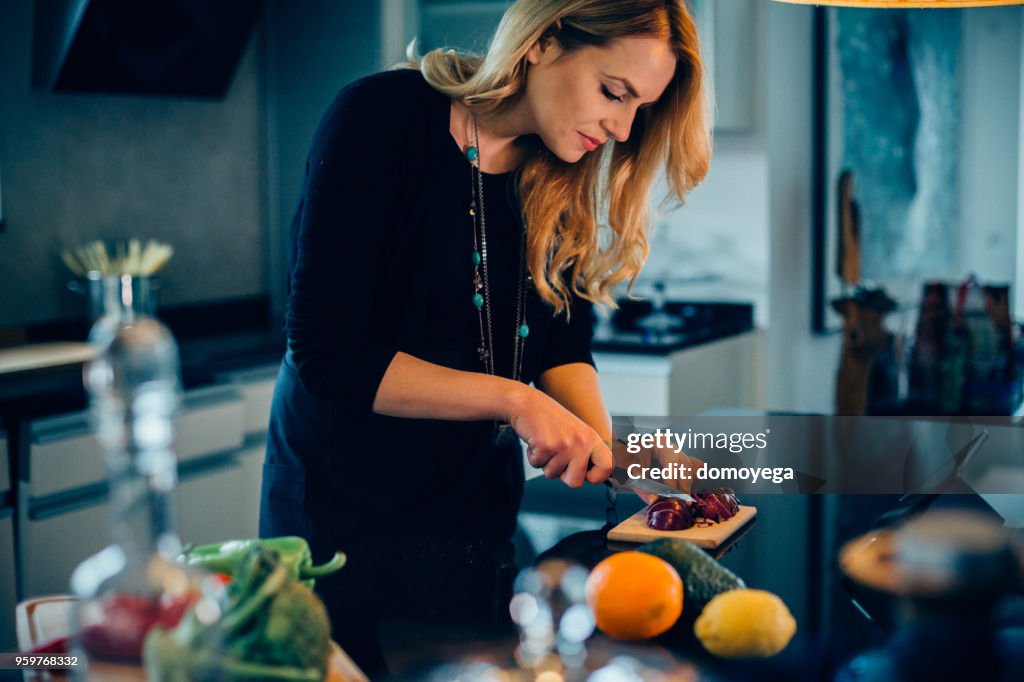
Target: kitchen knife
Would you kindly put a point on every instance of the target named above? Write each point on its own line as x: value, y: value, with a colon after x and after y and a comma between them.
x: 620, y: 481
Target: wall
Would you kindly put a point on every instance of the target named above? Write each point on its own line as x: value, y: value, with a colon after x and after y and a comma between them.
x: 1019, y: 294
x: 747, y: 229
x: 989, y: 156
x: 310, y: 56
x: 78, y: 167
x: 799, y: 366
x: 716, y: 246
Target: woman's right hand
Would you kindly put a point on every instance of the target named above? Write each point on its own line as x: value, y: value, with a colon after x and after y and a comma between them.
x: 558, y: 441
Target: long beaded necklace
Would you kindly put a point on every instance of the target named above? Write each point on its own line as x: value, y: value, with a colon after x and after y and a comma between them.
x: 481, y: 281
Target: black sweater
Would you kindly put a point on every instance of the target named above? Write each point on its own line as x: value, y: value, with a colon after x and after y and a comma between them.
x: 382, y: 246
x: 383, y: 226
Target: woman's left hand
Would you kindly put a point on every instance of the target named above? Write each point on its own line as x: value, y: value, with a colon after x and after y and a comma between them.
x: 558, y: 441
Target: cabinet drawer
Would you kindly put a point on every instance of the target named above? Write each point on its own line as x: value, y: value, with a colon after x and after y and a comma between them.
x: 634, y: 385
x: 637, y: 396
x: 65, y: 453
x: 56, y: 545
x: 211, y: 506
x: 257, y: 389
x: 251, y: 460
x: 212, y: 421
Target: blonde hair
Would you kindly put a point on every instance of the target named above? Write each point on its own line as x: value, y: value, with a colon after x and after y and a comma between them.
x: 561, y: 201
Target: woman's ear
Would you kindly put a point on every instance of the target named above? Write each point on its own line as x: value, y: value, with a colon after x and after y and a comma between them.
x: 533, y: 54
x: 541, y: 45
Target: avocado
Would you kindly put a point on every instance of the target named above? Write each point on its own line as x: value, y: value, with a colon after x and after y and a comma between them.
x: 703, y: 577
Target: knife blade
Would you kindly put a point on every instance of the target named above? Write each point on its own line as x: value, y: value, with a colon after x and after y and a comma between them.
x: 620, y: 481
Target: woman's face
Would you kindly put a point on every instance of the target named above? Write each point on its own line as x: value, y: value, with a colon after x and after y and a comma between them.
x: 577, y: 100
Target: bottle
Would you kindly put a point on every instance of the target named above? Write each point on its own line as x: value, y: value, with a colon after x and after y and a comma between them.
x: 135, y: 582
x: 949, y: 570
x: 928, y: 348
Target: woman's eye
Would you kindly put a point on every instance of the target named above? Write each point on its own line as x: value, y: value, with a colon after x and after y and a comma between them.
x: 608, y: 93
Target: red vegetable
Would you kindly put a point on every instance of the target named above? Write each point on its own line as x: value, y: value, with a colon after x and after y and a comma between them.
x: 669, y: 514
x: 716, y: 504
x: 725, y: 495
x: 127, y: 618
x: 61, y: 645
x: 667, y: 503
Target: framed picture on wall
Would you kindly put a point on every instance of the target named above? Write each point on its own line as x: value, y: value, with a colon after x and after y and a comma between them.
x: 915, y: 133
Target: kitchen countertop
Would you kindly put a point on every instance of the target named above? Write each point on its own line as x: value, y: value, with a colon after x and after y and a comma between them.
x: 691, y: 324
x: 212, y: 339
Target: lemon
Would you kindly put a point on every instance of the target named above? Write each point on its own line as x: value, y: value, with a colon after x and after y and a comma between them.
x: 745, y: 623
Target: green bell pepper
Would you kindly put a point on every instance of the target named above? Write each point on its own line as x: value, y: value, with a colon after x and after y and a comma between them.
x: 295, y: 557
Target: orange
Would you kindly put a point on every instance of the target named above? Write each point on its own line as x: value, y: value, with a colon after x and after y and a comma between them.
x: 634, y: 595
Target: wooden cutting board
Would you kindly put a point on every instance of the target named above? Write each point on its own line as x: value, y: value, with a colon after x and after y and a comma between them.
x: 45, y: 619
x: 634, y: 529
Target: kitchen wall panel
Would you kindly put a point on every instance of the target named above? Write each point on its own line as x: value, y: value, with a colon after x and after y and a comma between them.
x: 77, y: 167
x: 313, y: 49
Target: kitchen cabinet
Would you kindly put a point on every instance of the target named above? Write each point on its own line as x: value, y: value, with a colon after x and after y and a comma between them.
x: 250, y: 475
x: 65, y: 455
x: 256, y: 387
x: 215, y: 502
x: 686, y: 382
x: 729, y: 42
x: 67, y: 499
x: 8, y: 596
x: 58, y: 540
x: 209, y: 506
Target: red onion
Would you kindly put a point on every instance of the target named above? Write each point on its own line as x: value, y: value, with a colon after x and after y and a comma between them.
x: 717, y: 504
x: 669, y: 514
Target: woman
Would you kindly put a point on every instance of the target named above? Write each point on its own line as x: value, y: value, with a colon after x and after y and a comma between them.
x: 421, y: 309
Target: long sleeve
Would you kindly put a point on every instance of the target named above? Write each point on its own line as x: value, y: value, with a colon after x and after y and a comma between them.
x: 339, y: 235
x: 570, y: 340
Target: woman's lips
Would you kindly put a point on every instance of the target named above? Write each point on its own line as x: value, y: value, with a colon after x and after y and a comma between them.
x: 590, y: 143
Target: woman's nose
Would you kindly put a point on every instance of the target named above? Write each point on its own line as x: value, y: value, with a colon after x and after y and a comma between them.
x: 618, y: 127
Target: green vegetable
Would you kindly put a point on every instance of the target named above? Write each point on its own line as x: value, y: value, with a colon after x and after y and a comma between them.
x: 223, y: 557
x: 273, y: 628
x: 703, y: 577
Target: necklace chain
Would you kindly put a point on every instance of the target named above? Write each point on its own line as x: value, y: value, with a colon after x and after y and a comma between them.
x: 481, y: 273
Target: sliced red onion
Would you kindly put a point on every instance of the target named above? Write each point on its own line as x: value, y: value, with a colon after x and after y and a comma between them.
x: 710, y: 507
x: 661, y: 516
x: 667, y: 503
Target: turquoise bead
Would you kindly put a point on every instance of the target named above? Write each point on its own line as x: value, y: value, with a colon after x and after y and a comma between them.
x: 472, y: 154
x: 476, y: 258
x: 478, y: 300
x: 524, y: 331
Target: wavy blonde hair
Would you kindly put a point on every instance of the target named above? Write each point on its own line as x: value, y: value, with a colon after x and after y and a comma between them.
x: 561, y: 202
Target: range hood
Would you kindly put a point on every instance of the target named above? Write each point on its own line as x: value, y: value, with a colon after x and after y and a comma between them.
x: 185, y: 48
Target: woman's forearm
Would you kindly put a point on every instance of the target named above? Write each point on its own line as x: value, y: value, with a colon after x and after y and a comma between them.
x: 417, y: 389
x: 559, y: 442
x: 576, y: 388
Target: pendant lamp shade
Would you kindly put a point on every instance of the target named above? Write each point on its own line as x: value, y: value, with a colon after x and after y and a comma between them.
x: 907, y: 4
